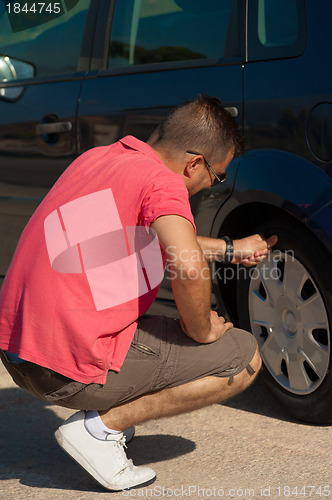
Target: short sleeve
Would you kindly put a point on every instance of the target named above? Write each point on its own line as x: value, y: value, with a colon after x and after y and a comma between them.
x: 166, y: 194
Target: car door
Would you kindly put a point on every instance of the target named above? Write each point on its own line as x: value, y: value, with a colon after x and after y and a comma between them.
x: 149, y: 57
x: 41, y: 72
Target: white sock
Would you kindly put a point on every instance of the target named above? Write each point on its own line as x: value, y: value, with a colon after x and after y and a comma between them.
x: 95, y: 426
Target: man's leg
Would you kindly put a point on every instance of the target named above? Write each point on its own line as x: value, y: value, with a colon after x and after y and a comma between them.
x: 181, y: 399
x: 165, y: 373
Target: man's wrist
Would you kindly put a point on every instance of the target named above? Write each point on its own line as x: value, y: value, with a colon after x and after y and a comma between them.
x: 229, y: 253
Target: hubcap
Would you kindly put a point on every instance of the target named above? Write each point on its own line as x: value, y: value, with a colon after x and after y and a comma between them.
x: 289, y: 320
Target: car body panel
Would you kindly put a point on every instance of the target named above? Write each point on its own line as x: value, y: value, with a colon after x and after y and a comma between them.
x: 321, y: 225
x: 31, y: 162
x: 146, y: 97
x: 281, y: 175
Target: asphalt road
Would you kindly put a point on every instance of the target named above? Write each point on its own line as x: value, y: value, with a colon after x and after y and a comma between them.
x: 244, y: 448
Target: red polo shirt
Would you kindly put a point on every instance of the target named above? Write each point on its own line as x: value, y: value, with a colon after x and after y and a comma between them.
x: 85, y: 269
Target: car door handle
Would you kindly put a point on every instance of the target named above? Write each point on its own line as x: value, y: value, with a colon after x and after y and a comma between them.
x: 53, y: 128
x: 232, y: 110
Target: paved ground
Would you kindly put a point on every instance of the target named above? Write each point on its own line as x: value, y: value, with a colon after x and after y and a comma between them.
x: 246, y: 448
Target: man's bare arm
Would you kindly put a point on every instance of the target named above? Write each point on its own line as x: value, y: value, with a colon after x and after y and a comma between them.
x: 248, y: 251
x: 190, y: 277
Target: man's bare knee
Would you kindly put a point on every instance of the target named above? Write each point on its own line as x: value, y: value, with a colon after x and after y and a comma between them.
x: 256, y: 362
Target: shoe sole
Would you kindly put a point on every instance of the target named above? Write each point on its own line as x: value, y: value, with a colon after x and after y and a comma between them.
x: 73, y: 453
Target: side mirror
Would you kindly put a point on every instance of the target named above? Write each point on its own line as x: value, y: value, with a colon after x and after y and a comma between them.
x: 11, y: 70
x: 14, y: 69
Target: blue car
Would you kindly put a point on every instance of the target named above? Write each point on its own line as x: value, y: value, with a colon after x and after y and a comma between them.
x: 77, y: 74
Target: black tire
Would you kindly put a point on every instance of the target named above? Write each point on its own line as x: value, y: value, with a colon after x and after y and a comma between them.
x: 314, y: 404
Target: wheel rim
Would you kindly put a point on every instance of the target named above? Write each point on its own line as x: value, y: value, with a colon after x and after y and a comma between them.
x: 289, y: 320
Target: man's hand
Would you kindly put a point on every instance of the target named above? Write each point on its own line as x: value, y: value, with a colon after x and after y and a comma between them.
x: 253, y: 249
x: 248, y: 251
x: 218, y: 327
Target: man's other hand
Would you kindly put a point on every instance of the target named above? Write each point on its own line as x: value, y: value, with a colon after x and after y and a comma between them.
x: 218, y: 326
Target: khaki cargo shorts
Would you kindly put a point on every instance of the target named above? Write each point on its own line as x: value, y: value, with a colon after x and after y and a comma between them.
x: 160, y: 356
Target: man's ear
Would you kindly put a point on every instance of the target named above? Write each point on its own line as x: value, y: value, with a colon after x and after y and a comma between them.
x: 191, y: 167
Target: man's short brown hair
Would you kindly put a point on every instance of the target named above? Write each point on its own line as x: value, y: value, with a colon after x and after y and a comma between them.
x: 201, y: 124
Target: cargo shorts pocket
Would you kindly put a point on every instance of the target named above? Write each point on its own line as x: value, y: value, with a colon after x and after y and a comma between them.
x: 64, y: 392
x: 140, y: 348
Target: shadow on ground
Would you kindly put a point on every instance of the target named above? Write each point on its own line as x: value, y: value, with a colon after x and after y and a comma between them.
x: 256, y: 399
x: 31, y: 454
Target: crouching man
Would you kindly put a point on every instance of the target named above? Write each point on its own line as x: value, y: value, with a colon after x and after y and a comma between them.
x: 88, y: 266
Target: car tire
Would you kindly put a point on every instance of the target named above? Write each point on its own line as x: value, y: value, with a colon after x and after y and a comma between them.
x: 286, y: 302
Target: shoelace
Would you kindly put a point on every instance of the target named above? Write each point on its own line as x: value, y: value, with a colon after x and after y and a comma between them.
x: 120, y: 448
x: 121, y: 444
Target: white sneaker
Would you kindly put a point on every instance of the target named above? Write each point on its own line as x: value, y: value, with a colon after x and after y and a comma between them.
x: 106, y: 461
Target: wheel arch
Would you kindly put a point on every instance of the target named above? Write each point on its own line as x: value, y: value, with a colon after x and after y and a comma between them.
x: 241, y: 220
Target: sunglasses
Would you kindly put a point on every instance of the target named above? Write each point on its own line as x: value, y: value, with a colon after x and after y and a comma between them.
x: 217, y: 178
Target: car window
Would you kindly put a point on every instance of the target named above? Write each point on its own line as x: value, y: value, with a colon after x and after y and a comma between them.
x: 153, y: 31
x: 276, y: 29
x: 35, y: 43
